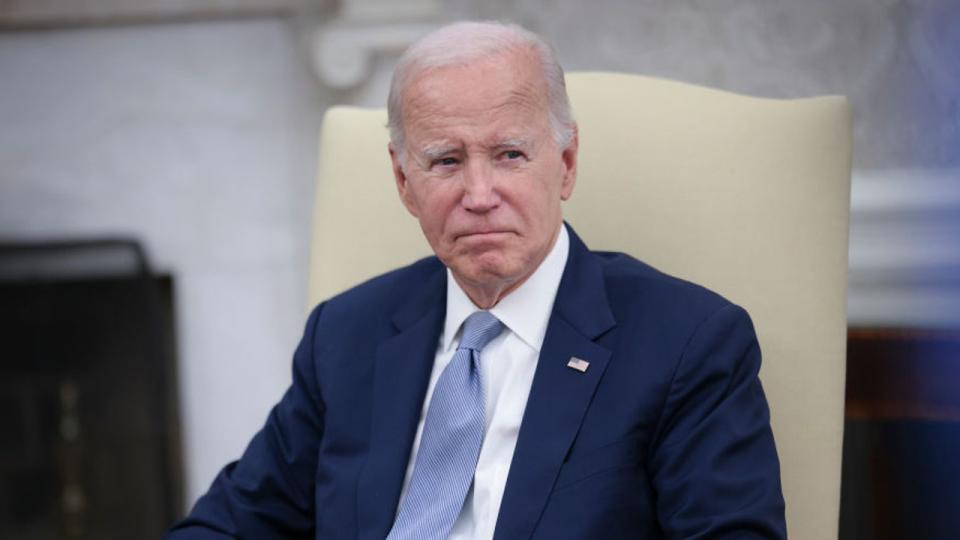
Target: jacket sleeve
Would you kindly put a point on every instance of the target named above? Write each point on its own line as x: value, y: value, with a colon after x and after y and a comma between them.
x: 268, y: 493
x: 713, y: 461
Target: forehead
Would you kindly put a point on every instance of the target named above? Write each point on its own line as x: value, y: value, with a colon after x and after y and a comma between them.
x: 502, y: 92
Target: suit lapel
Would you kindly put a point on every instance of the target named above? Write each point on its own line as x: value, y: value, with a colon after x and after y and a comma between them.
x: 560, y: 395
x: 400, y: 380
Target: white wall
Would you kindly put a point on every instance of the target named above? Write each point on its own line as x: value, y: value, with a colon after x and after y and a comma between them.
x: 198, y: 138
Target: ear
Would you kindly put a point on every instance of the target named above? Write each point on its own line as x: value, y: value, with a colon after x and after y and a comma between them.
x: 403, y: 187
x: 569, y: 157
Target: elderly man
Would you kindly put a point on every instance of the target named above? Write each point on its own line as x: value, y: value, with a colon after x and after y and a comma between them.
x: 516, y: 385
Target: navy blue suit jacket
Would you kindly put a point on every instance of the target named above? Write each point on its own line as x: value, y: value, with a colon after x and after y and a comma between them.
x: 666, y: 434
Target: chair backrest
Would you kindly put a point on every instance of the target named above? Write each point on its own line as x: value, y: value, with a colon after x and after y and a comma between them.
x: 747, y: 196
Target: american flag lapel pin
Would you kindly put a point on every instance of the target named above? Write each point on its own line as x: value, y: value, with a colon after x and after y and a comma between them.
x: 578, y: 364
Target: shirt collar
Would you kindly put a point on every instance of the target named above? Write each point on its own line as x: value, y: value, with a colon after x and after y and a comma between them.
x: 526, y: 310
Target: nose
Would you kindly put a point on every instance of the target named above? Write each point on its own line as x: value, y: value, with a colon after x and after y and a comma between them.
x: 479, y: 187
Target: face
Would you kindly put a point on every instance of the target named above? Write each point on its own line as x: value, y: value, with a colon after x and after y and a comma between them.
x: 482, y: 171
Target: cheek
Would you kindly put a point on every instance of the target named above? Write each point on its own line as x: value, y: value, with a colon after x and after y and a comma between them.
x: 435, y: 210
x: 536, y: 204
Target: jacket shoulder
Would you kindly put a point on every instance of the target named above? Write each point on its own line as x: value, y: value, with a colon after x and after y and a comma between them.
x: 377, y: 298
x: 393, y: 283
x: 633, y: 283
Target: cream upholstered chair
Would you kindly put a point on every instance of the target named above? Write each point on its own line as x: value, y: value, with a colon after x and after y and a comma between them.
x: 747, y: 196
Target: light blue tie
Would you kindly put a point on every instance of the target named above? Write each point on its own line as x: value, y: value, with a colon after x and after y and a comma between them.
x: 451, y: 439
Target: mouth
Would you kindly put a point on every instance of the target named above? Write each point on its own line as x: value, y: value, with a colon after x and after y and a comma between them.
x: 482, y: 235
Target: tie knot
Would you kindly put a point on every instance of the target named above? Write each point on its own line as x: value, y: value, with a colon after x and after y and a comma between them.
x: 479, y: 329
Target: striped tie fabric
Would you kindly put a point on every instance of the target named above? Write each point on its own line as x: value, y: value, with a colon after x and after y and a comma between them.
x: 451, y: 439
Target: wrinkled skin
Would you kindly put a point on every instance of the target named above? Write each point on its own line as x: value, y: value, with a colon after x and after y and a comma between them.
x: 482, y: 171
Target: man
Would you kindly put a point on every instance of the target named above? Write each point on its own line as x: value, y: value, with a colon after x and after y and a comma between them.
x: 516, y: 385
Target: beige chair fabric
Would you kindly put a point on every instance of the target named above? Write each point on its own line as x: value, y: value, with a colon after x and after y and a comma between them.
x: 747, y: 196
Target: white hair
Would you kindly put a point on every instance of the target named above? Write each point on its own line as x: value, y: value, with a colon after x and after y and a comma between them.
x: 464, y: 42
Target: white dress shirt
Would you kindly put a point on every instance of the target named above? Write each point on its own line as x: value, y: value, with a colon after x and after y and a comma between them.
x: 507, y: 365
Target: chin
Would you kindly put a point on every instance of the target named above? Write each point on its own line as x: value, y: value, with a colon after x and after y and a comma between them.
x: 497, y: 273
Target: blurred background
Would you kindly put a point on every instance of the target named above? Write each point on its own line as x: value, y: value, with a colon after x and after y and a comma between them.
x: 157, y: 161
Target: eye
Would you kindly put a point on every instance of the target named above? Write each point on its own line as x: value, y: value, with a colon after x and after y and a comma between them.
x: 512, y: 154
x: 445, y: 162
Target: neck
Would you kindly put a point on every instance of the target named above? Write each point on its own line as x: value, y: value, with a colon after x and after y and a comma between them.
x: 488, y: 295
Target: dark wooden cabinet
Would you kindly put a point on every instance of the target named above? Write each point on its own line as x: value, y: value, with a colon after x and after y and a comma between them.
x: 90, y: 444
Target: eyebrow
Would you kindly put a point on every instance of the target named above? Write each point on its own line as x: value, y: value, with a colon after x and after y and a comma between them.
x: 432, y: 153
x: 435, y: 152
x: 518, y: 142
